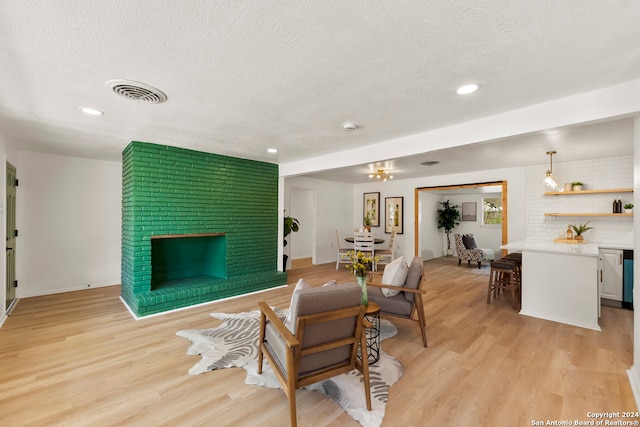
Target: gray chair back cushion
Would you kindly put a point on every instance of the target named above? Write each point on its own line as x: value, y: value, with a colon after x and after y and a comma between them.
x: 316, y: 300
x: 413, y: 278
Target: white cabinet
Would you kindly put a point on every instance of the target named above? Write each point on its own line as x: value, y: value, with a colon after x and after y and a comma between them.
x: 611, y: 274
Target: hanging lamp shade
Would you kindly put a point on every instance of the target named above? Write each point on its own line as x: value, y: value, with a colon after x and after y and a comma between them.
x: 550, y: 179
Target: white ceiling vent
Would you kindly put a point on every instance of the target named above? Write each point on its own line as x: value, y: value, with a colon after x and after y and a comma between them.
x: 137, y: 91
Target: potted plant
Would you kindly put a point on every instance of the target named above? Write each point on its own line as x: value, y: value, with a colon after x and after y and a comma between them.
x: 576, y: 186
x: 578, y: 230
x: 628, y: 208
x: 291, y: 225
x: 448, y: 218
x: 367, y: 223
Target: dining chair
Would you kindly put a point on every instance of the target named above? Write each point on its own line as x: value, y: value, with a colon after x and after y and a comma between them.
x: 341, y: 255
x: 385, y: 256
x: 363, y: 242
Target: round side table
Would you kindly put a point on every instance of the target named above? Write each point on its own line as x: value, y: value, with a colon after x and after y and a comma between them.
x: 373, y: 333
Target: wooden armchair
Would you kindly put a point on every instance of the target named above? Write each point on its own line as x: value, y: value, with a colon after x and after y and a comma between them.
x: 409, y: 299
x: 320, y: 339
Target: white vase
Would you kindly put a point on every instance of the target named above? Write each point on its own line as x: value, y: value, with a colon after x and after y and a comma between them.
x: 629, y: 211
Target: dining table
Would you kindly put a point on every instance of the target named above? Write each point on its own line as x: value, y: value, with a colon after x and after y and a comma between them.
x: 376, y: 240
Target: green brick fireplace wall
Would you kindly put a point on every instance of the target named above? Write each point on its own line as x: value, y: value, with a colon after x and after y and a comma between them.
x: 169, y: 191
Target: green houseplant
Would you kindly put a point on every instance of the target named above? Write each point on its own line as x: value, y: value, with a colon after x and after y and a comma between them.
x: 579, y: 230
x: 366, y: 222
x: 576, y: 186
x: 628, y: 207
x: 291, y: 225
x: 448, y: 218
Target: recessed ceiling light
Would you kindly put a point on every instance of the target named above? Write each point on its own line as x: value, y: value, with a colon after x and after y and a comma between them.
x: 467, y: 89
x: 272, y: 150
x: 91, y: 111
x: 349, y: 126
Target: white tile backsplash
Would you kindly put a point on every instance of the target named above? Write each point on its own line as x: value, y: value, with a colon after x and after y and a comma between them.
x: 596, y: 174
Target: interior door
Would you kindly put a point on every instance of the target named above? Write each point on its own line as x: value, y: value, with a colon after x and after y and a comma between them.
x: 11, y: 236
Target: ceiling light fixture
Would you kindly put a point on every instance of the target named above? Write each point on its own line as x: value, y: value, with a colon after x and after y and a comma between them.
x: 272, y: 150
x: 430, y: 163
x: 349, y: 126
x: 381, y: 175
x: 467, y: 89
x: 550, y: 179
x: 91, y: 111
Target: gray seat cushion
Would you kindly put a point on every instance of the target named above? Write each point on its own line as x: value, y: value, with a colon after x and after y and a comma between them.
x: 396, y: 305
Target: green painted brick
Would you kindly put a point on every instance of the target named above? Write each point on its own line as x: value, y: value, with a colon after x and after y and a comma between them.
x: 169, y: 190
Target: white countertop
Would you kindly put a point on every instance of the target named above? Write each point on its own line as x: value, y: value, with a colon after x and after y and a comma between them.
x: 585, y: 249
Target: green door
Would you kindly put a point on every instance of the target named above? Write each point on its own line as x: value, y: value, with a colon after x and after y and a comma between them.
x: 11, y: 235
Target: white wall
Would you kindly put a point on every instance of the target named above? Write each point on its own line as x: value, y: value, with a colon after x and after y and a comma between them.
x: 430, y: 246
x: 333, y: 211
x: 303, y: 209
x: 69, y: 222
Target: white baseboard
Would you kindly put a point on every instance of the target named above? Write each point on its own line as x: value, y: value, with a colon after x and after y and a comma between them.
x: 634, y: 385
x: 6, y: 314
x: 27, y: 294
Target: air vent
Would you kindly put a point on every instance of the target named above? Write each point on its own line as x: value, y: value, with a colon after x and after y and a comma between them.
x: 137, y: 91
x: 430, y: 163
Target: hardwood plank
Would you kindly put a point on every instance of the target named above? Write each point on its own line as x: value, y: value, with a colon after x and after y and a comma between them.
x: 80, y: 359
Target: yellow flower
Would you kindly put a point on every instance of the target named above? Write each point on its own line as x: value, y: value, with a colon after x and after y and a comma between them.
x: 361, y: 263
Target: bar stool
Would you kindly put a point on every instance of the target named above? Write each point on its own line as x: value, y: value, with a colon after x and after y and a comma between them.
x: 517, y: 257
x: 505, y: 274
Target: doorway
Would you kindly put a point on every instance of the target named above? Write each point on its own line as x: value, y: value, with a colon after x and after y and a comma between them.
x: 429, y: 215
x: 10, y: 286
x: 303, y: 207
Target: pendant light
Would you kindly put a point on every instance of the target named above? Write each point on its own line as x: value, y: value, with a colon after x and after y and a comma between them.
x: 550, y: 179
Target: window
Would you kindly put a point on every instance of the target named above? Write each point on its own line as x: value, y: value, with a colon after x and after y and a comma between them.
x: 492, y: 211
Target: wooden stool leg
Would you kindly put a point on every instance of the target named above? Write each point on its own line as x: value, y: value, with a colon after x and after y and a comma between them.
x: 491, y: 286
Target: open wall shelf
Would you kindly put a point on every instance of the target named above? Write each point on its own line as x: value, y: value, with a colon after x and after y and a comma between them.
x: 575, y: 193
x: 585, y: 214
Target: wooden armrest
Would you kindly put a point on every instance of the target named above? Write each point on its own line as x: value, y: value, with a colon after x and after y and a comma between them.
x: 413, y: 291
x: 284, y: 332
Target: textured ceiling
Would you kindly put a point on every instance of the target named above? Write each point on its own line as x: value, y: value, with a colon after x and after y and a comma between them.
x: 244, y: 76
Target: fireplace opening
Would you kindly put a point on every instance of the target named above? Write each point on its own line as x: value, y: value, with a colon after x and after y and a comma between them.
x: 178, y: 260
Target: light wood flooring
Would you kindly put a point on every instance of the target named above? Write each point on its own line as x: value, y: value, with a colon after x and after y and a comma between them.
x: 80, y: 359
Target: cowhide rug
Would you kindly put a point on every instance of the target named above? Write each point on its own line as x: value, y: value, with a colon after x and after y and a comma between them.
x: 235, y: 344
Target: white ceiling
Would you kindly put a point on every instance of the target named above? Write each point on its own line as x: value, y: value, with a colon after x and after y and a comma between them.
x: 241, y: 77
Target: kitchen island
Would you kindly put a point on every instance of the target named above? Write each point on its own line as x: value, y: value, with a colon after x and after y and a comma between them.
x: 559, y: 281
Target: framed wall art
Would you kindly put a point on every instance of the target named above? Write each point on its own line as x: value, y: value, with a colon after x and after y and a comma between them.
x: 371, y: 208
x: 469, y: 211
x: 393, y: 207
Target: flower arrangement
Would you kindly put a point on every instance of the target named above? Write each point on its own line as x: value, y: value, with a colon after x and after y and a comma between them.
x: 361, y: 263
